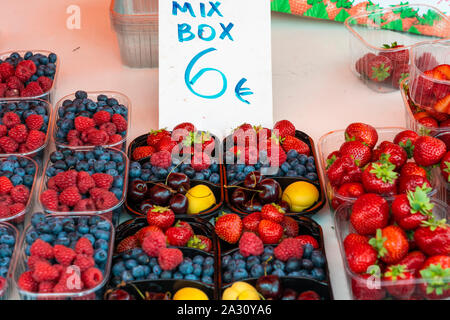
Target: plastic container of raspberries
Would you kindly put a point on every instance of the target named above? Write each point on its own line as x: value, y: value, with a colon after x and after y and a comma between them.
x: 136, y: 26
x: 9, y: 240
x: 366, y: 287
x: 381, y: 40
x: 97, y: 160
x: 71, y: 133
x: 19, y: 175
x: 333, y: 140
x: 429, y: 85
x: 35, y: 145
x: 66, y: 230
x: 47, y: 64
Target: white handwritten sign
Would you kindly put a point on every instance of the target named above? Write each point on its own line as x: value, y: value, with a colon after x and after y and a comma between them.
x: 215, y: 63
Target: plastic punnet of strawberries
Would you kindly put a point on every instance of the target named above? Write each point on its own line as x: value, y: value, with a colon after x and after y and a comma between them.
x: 358, y: 167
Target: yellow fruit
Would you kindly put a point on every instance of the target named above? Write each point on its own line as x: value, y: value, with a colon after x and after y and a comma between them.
x: 300, y: 195
x: 200, y: 198
x: 241, y: 286
x: 230, y: 294
x: 249, y: 295
x: 240, y: 291
x: 190, y: 294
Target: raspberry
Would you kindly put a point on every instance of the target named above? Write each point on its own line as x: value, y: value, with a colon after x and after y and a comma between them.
x: 25, y: 69
x: 153, y: 243
x: 10, y: 119
x: 5, y: 185
x: 46, y: 287
x: 51, y: 184
x: 4, y: 212
x: 44, y: 271
x: 35, y: 139
x: 85, y: 182
x: 26, y: 281
x: 41, y: 249
x: 142, y: 152
x: 70, y: 277
x: 103, y: 180
x: 106, y: 200
x: 170, y: 258
x: 73, y: 134
x: 23, y: 148
x: 84, y: 123
x: 84, y: 262
x: 8, y: 145
x: 64, y: 255
x: 19, y: 133
x: 66, y: 179
x: 63, y: 208
x: 16, y: 208
x: 305, y: 239
x: 289, y: 248
x: 3, y: 89
x: 161, y: 159
x: 3, y: 130
x: 14, y: 83
x: 85, y: 134
x: 12, y: 93
x: 20, y: 193
x: 200, y: 161
x: 128, y: 243
x: 250, y: 245
x: 98, y: 137
x: 120, y: 122
x: 101, y: 117
x: 45, y: 83
x: 34, y: 122
x: 85, y: 205
x: 32, y: 90
x: 84, y: 246
x: 96, y: 193
x: 49, y: 199
x: 92, y: 277
x: 109, y: 127
x: 6, y: 70
x: 114, y: 139
x: 6, y: 200
x: 70, y: 196
x: 31, y: 262
x: 76, y: 142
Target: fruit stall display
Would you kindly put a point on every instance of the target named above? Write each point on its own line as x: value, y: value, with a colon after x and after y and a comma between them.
x: 9, y: 238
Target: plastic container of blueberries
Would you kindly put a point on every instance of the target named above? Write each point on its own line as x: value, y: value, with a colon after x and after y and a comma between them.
x: 121, y: 98
x: 283, y: 181
x: 112, y: 214
x: 5, y: 293
x: 37, y: 154
x: 406, y: 24
x: 47, y: 96
x: 19, y: 219
x: 90, y: 294
x: 136, y: 25
x: 332, y: 141
x: 343, y: 227
x: 187, y: 252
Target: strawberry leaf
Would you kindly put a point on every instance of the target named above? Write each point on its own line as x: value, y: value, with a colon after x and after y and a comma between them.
x: 378, y: 243
x: 420, y: 202
x: 318, y: 10
x: 281, y: 6
x: 408, y: 147
x: 384, y: 171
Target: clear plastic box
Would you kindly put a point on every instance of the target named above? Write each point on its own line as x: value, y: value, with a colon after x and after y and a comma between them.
x: 333, y: 140
x: 95, y: 293
x: 137, y: 26
x: 19, y: 219
x: 426, y: 88
x: 343, y: 227
x: 50, y: 94
x: 121, y: 98
x: 5, y: 293
x: 407, y: 25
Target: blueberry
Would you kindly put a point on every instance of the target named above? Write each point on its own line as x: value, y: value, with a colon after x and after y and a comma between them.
x: 166, y: 275
x: 152, y: 276
x: 307, y: 251
x: 143, y: 259
x: 208, y: 271
x: 285, y: 167
x: 177, y: 276
x: 310, y: 167
x: 317, y: 259
x: 55, y: 226
x: 191, y: 277
x: 83, y: 229
x: 302, y: 159
x: 240, y: 264
x: 291, y: 173
x: 100, y: 256
x: 65, y: 241
x: 248, y: 169
x: 251, y: 261
x: 199, y: 176
x: 225, y: 260
x: 293, y: 265
x: 80, y: 94
x: 60, y: 164
x: 294, y: 274
x: 240, y: 176
x: 82, y: 166
x: 214, y: 168
x: 268, y: 249
x: 71, y: 161
x: 5, y: 250
x: 99, y: 165
x: 209, y: 261
x: 300, y: 169
x: 157, y: 270
x: 135, y: 172
x: 104, y: 225
x: 19, y: 171
x: 292, y: 154
x: 231, y: 266
x: 101, y: 244
x: 279, y: 273
x: 214, y: 178
x: 206, y: 173
x: 134, y: 253
x: 257, y: 271
x: 101, y: 234
x: 52, y: 57
x: 7, y: 239
x: 227, y: 277
x: 31, y: 237
x: 126, y: 276
x: 240, y: 274
x: 318, y: 274
x: 311, y: 176
x: 278, y: 264
x: 42, y: 227
x: 207, y: 279
x: 4, y: 262
x: 94, y: 220
x: 186, y: 268
x: 307, y: 264
x: 197, y: 270
x: 138, y: 272
x: 237, y: 255
x: 198, y: 259
x: 231, y: 175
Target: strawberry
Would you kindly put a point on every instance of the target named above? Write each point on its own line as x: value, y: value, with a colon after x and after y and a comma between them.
x: 405, y: 288
x: 360, y: 257
x: 406, y: 139
x: 401, y: 72
x: 362, y: 132
x: 270, y: 232
x: 391, y: 244
x: 343, y: 170
x: 391, y: 152
x: 370, y: 212
x: 411, y: 209
x: 229, y: 227
x: 178, y: 235
x: 251, y: 221
x: 200, y: 242
x: 443, y: 104
x: 184, y: 129
x: 246, y: 155
x: 412, y: 169
x: 429, y: 151
x: 156, y: 135
x: 435, y: 273
x: 200, y: 161
x: 348, y: 190
x: 141, y: 234
x: 307, y: 239
x: 380, y: 178
x: 262, y: 133
x: 353, y: 239
x: 244, y: 135
x: 364, y: 287
x: 357, y: 151
x: 445, y: 167
x: 444, y: 69
x: 332, y: 157
x: 380, y: 68
x: 275, y: 153
x: 293, y: 143
x: 285, y: 128
x: 362, y: 64
x: 166, y: 144
x: 414, y: 261
x: 272, y: 212
x: 433, y: 237
x: 161, y: 217
x: 142, y: 152
x: 397, y: 56
x: 128, y: 243
x: 411, y: 182
x: 290, y: 227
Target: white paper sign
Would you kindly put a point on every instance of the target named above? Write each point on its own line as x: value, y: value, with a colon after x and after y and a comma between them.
x: 215, y: 66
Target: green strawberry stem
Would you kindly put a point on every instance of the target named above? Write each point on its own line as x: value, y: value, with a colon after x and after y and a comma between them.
x: 384, y: 170
x: 437, y: 278
x: 381, y: 72
x: 395, y: 272
x: 433, y: 224
x: 378, y: 243
x: 420, y: 202
x: 408, y: 147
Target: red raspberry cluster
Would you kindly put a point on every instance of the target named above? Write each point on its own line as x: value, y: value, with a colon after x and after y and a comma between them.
x: 13, y: 81
x: 16, y: 136
x: 79, y: 191
x: 101, y: 129
x: 12, y: 198
x: 60, y: 269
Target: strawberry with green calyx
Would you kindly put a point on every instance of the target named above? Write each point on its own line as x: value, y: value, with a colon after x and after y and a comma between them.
x: 380, y: 178
x: 399, y: 281
x: 414, y: 261
x: 156, y: 135
x: 228, y: 227
x: 380, y: 68
x: 406, y: 139
x: 343, y: 170
x: 332, y: 158
x: 362, y: 132
x: 179, y: 235
x: 411, y: 182
x: 445, y: 167
x: 364, y: 287
x: 293, y: 143
x: 436, y: 275
x: 388, y: 151
x: 433, y: 237
x: 162, y: 217
x: 398, y: 57
x: 401, y: 72
x: 200, y: 242
x: 360, y: 256
x: 360, y: 152
x: 272, y: 212
x: 391, y: 244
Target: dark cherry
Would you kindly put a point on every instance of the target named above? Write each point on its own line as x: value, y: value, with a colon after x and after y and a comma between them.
x: 289, y: 294
x: 137, y: 190
x: 270, y: 191
x: 120, y: 294
x: 156, y: 296
x: 160, y: 195
x: 179, y: 182
x: 179, y: 203
x: 145, y: 206
x: 252, y: 179
x: 252, y: 205
x: 269, y: 287
x: 239, y: 197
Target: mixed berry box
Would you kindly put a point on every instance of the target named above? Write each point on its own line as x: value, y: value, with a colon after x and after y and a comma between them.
x: 9, y: 239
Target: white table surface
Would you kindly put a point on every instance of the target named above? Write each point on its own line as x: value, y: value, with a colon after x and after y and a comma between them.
x: 312, y: 83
